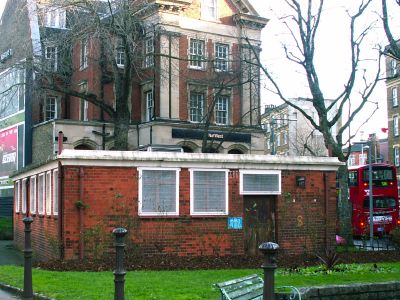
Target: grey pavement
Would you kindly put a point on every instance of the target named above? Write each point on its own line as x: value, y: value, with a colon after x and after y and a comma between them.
x: 7, y: 296
x: 9, y: 255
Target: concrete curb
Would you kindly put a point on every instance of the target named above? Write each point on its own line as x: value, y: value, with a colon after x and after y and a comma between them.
x: 18, y: 292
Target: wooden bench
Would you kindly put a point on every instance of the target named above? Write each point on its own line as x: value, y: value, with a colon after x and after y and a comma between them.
x: 251, y: 288
x: 244, y: 288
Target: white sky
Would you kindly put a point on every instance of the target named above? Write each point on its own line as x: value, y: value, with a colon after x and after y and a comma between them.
x: 332, y: 59
x: 332, y: 55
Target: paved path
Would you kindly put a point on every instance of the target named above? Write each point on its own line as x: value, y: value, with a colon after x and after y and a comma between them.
x: 6, y: 296
x: 9, y: 255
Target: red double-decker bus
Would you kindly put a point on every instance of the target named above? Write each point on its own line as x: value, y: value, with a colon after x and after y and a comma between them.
x: 385, y: 198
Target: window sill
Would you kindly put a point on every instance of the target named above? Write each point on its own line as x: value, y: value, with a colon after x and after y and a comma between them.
x: 206, y: 216
x: 159, y: 216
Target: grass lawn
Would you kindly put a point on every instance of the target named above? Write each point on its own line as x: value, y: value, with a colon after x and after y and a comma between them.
x: 176, y: 285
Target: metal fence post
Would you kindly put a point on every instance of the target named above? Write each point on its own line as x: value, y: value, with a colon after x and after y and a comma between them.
x: 269, y: 251
x: 119, y: 273
x: 28, y: 291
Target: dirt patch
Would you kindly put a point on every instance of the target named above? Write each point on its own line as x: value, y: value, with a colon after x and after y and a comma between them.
x: 168, y: 262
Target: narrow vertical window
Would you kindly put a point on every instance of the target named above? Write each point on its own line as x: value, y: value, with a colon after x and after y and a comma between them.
x: 221, y: 110
x: 196, y: 107
x: 51, y: 58
x: 394, y: 97
x: 84, y: 105
x: 23, y: 196
x: 32, y: 194
x: 17, y: 196
x: 149, y: 105
x: 50, y: 108
x: 149, y: 52
x: 395, y: 125
x: 221, y: 57
x: 48, y: 193
x: 41, y: 195
x: 55, y: 192
x: 196, y: 54
x: 84, y: 54
x: 393, y: 67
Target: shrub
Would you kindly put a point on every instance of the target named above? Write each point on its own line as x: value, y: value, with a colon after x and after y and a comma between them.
x: 6, y: 228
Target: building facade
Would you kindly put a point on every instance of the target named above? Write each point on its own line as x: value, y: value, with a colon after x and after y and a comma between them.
x: 288, y: 132
x: 185, y: 204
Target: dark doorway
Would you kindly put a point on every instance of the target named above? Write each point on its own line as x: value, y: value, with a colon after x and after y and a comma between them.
x: 259, y: 222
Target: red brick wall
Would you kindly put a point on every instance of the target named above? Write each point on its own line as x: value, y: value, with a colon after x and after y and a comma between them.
x: 110, y: 195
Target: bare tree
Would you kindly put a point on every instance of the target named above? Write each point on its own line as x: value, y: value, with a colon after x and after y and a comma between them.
x: 394, y: 48
x: 303, y: 23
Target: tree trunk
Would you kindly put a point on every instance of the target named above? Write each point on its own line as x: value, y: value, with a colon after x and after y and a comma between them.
x: 121, y: 130
x: 344, y: 206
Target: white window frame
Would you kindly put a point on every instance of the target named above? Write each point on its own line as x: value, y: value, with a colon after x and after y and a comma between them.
x: 23, y: 196
x: 140, y: 192
x: 50, y: 109
x: 396, y: 156
x: 84, y: 54
x: 48, y: 193
x: 55, y: 192
x: 149, y: 52
x: 120, y: 57
x: 84, y: 104
x: 17, y: 196
x: 362, y: 158
x: 395, y: 99
x: 285, y: 138
x: 221, y: 57
x: 192, y: 200
x: 197, y: 54
x: 393, y: 67
x: 209, y: 10
x: 261, y: 172
x: 222, y: 110
x: 395, y: 125
x: 352, y: 160
x: 278, y: 139
x: 55, y: 18
x: 196, y: 112
x: 41, y: 183
x: 149, y: 98
x: 32, y: 194
x: 52, y: 57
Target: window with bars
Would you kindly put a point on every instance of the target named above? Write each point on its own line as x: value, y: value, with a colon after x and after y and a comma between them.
x: 17, y: 196
x: 41, y: 194
x: 208, y: 192
x: 196, y: 54
x: 50, y: 108
x: 149, y: 105
x: 48, y: 193
x: 394, y: 97
x: 84, y: 54
x: 221, y: 57
x: 55, y: 192
x: 32, y: 194
x: 149, y: 53
x: 196, y: 106
x: 51, y: 58
x: 209, y: 9
x: 158, y: 192
x: 222, y: 110
x: 23, y: 196
x: 260, y: 182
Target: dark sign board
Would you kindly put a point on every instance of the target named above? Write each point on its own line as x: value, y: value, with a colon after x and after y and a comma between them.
x: 197, y: 134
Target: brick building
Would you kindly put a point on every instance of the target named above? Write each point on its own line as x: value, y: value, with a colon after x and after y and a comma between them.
x: 185, y: 204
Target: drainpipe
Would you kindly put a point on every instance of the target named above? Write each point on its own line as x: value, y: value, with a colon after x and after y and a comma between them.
x: 81, y: 225
x: 326, y: 210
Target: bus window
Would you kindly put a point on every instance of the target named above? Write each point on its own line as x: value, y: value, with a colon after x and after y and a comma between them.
x: 381, y: 202
x: 353, y: 178
x: 378, y: 174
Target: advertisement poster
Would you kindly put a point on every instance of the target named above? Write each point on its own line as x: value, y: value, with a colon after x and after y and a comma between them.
x: 8, y: 151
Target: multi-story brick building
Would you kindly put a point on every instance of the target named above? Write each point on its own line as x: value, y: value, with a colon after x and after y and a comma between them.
x: 392, y: 87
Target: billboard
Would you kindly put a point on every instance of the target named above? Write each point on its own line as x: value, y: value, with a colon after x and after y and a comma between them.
x: 8, y: 151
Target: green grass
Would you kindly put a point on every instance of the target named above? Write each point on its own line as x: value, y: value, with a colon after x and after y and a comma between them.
x: 179, y: 285
x: 6, y: 228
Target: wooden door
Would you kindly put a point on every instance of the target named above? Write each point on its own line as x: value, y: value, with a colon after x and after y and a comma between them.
x: 259, y: 222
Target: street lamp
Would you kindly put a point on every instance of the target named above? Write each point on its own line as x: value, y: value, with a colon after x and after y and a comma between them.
x: 371, y: 214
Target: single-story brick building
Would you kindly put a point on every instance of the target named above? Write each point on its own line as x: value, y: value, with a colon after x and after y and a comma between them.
x: 176, y: 203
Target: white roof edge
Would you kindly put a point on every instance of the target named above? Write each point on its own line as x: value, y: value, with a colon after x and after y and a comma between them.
x: 138, y: 158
